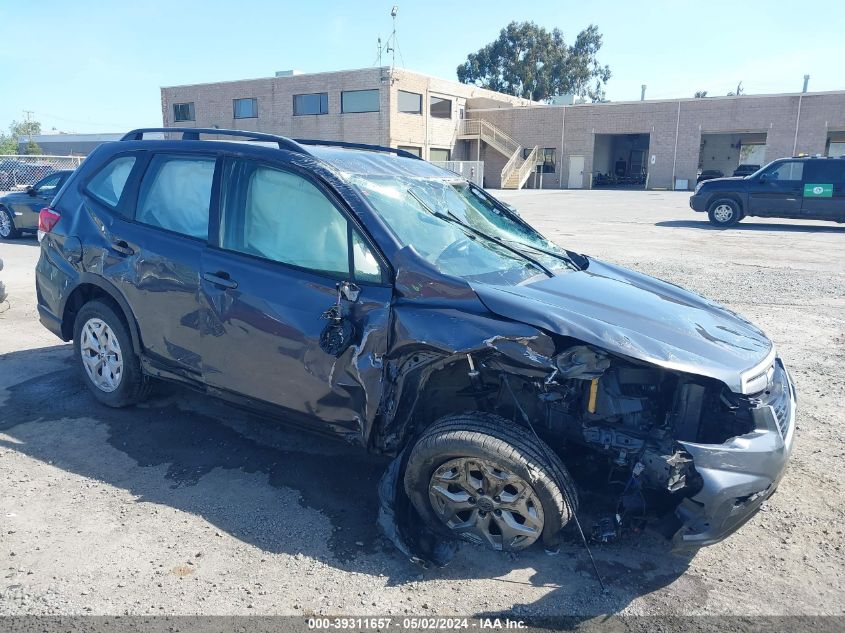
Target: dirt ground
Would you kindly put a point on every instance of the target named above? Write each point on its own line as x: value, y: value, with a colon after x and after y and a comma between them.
x: 187, y: 506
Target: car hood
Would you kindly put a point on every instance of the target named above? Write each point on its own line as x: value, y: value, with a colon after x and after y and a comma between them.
x: 14, y: 197
x: 638, y: 316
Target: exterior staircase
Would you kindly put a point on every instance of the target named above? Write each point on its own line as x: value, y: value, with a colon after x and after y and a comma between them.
x: 517, y: 170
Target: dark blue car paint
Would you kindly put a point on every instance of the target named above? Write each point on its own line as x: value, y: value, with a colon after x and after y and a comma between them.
x: 257, y: 344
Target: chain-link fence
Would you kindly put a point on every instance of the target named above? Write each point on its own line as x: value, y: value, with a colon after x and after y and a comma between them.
x: 19, y: 172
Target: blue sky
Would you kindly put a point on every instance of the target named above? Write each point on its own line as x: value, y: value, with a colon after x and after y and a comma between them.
x: 96, y: 66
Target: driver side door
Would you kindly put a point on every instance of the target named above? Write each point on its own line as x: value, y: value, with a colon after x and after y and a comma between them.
x: 778, y: 191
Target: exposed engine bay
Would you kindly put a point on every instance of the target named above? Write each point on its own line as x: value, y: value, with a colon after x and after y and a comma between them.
x: 627, y: 418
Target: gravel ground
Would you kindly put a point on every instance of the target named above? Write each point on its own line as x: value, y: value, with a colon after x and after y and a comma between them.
x: 187, y: 506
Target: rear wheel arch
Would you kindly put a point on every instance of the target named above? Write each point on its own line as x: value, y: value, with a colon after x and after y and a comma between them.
x: 92, y: 288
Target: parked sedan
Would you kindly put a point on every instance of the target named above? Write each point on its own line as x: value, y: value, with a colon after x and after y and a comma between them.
x: 19, y: 210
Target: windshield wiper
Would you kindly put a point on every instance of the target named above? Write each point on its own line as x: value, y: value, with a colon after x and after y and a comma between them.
x: 451, y: 217
x: 563, y: 256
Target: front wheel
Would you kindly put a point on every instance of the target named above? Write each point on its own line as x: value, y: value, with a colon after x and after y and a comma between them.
x: 724, y: 213
x: 478, y: 477
x: 7, y: 225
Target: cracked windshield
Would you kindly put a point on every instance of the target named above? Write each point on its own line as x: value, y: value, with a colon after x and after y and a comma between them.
x: 460, y: 231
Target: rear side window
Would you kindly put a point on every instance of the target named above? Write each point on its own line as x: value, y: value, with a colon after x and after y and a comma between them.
x: 176, y: 194
x: 828, y: 171
x: 107, y: 184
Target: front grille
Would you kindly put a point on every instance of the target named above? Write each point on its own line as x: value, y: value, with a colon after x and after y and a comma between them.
x: 777, y: 395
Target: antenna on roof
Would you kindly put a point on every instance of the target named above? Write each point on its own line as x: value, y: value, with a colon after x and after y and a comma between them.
x: 392, y: 45
x: 378, y: 51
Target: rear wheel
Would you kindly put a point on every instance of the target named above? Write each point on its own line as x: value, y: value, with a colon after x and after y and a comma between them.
x: 724, y: 213
x: 7, y: 225
x: 478, y: 477
x: 107, y: 360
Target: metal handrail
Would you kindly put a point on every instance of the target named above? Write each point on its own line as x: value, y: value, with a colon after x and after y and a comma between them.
x: 491, y: 132
x: 511, y: 164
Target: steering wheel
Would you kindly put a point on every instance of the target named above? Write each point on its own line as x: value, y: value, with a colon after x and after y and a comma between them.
x: 457, y: 253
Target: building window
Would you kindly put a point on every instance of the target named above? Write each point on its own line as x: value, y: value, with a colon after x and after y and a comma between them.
x: 410, y: 102
x: 545, y: 157
x: 440, y: 108
x: 184, y: 112
x: 548, y: 156
x: 412, y: 149
x: 245, y: 108
x: 359, y: 101
x: 436, y: 154
x: 316, y: 103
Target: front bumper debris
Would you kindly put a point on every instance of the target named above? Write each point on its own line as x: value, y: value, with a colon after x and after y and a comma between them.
x: 738, y: 476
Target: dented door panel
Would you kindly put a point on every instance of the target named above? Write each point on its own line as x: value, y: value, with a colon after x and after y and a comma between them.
x: 261, y: 339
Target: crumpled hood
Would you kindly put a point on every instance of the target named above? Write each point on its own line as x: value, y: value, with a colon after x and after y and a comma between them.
x: 638, y: 316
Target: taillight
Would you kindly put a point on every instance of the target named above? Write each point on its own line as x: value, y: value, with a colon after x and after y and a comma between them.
x: 47, y: 219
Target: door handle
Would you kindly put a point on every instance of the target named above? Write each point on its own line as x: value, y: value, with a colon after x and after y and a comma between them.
x: 121, y: 247
x: 221, y: 279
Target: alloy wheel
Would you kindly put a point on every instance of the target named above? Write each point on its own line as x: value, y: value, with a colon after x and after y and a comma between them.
x: 723, y: 213
x: 486, y: 504
x: 5, y: 223
x: 101, y: 355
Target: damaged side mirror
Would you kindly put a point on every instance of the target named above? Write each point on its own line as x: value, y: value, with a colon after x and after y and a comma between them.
x: 339, y: 332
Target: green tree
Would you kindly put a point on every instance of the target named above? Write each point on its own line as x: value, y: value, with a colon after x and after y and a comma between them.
x: 529, y: 61
x: 8, y: 144
x: 32, y: 148
x: 701, y: 94
x: 19, y: 129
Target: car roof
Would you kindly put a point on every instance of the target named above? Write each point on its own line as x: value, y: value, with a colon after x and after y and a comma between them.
x: 343, y: 157
x: 374, y: 163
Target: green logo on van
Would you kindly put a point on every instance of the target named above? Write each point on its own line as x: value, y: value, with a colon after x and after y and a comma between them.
x: 818, y: 191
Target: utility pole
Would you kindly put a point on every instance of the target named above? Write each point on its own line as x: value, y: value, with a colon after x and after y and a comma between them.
x: 29, y: 114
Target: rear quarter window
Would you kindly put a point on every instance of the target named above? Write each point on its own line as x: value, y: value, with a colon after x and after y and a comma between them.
x: 108, y: 183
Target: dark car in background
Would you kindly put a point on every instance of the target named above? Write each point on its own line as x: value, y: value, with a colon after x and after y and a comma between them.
x: 364, y: 293
x: 745, y: 170
x: 709, y: 174
x: 19, y: 210
x: 802, y: 188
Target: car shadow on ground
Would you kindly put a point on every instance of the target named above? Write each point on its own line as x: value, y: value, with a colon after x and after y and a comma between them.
x: 193, y: 453
x: 753, y: 226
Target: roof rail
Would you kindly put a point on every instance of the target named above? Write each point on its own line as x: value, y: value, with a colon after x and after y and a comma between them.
x: 363, y: 146
x: 193, y: 134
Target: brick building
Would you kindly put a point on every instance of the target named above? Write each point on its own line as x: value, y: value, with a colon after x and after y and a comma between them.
x: 646, y: 144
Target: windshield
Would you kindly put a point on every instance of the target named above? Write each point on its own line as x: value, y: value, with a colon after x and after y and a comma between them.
x: 428, y: 214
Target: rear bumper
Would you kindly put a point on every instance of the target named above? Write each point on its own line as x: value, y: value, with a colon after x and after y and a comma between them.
x: 737, y: 477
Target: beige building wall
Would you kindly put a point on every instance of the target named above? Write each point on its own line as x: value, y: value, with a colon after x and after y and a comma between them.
x: 213, y: 106
x: 803, y: 122
x: 674, y: 129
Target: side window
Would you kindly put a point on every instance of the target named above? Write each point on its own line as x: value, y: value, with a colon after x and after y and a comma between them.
x: 366, y: 265
x: 281, y: 216
x: 826, y: 171
x: 47, y: 186
x: 176, y: 194
x: 789, y: 171
x: 108, y: 183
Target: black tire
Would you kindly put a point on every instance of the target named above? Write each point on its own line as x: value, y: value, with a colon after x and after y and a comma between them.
x: 132, y: 386
x: 12, y: 232
x: 724, y: 213
x: 497, y: 440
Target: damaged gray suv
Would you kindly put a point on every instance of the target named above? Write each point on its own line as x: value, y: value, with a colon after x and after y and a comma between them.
x: 364, y: 293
